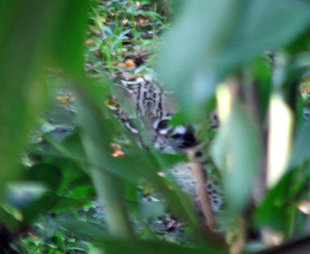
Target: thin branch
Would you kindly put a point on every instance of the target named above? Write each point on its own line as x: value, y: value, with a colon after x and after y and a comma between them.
x: 200, y: 179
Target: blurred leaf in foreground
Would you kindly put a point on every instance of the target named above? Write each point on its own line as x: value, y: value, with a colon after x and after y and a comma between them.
x: 237, y: 149
x: 191, y: 50
x: 152, y: 247
x: 210, y: 39
x: 301, y: 148
x: 279, y: 206
x: 22, y: 91
x: 30, y: 36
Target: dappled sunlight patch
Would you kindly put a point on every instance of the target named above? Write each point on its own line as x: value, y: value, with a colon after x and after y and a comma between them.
x: 280, y: 138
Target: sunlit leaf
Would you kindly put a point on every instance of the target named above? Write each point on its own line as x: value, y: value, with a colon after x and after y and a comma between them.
x: 279, y: 142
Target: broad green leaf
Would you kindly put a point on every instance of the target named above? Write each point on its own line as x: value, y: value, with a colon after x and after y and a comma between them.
x: 97, y: 137
x: 260, y: 28
x: 66, y: 204
x: 191, y: 50
x: 30, y: 36
x: 86, y: 230
x: 38, y: 207
x: 210, y: 39
x: 46, y: 174
x: 9, y: 219
x: 73, y: 176
x: 67, y: 41
x: 22, y: 91
x: 71, y: 150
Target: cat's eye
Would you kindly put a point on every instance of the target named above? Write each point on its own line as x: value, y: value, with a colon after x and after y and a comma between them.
x: 163, y: 124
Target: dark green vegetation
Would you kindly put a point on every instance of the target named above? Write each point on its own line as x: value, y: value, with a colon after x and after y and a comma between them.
x: 54, y: 162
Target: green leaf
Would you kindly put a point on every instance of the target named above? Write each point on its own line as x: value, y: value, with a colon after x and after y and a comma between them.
x: 210, y: 39
x: 99, y: 129
x: 152, y: 247
x: 237, y: 150
x: 149, y: 210
x: 67, y: 42
x: 8, y: 219
x: 301, y: 147
x: 276, y: 208
x: 192, y: 49
x: 260, y: 27
x: 32, y: 35
x: 66, y: 204
x: 38, y: 207
x: 87, y: 230
x: 48, y: 175
x: 22, y: 91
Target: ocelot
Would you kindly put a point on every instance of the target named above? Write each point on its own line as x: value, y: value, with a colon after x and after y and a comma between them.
x: 154, y: 107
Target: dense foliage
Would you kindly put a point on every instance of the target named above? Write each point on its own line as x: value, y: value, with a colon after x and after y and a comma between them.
x: 57, y: 57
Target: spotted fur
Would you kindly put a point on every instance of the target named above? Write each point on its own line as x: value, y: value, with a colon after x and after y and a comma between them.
x: 154, y: 107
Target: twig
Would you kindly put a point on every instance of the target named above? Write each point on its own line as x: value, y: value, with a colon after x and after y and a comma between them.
x: 200, y: 179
